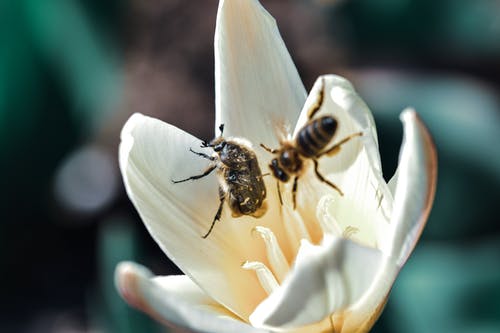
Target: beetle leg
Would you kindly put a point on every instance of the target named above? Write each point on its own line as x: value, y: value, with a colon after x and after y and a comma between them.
x: 205, y: 173
x: 208, y: 157
x: 222, y: 196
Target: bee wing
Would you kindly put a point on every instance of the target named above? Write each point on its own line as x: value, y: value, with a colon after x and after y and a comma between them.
x: 283, y: 131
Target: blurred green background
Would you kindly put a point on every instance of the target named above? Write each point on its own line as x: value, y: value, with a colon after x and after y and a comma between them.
x: 72, y: 71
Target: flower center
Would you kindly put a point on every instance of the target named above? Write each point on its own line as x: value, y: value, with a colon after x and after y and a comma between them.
x: 272, y: 275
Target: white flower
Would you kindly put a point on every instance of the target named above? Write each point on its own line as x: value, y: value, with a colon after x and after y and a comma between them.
x: 328, y: 265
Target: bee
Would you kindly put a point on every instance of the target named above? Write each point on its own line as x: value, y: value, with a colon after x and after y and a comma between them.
x: 310, y: 143
x: 239, y: 175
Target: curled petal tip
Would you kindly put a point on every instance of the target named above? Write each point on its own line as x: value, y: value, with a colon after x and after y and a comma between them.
x: 130, y: 124
x: 126, y: 281
x: 430, y: 153
x: 408, y: 113
x: 415, y: 185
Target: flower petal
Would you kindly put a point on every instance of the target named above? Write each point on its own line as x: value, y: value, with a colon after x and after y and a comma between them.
x: 415, y: 186
x: 175, y: 301
x: 152, y: 153
x: 360, y: 317
x: 257, y: 84
x: 325, y: 279
x: 366, y: 204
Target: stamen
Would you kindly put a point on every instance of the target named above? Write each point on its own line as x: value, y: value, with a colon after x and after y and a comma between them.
x: 279, y: 264
x: 266, y: 278
x: 326, y: 220
x: 349, y: 231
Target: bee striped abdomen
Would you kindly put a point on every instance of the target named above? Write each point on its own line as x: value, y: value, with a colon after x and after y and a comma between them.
x: 316, y: 135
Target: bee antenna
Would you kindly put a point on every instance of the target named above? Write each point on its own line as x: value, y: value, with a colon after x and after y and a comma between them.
x: 221, y: 129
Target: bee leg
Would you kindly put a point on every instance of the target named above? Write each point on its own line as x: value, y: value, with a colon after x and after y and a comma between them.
x: 272, y: 151
x: 208, y: 157
x: 323, y: 179
x: 279, y: 192
x: 222, y: 196
x: 336, y: 148
x: 294, y: 192
x: 319, y: 101
x: 205, y: 173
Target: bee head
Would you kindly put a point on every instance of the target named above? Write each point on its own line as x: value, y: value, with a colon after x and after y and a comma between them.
x: 289, y: 159
x: 278, y: 172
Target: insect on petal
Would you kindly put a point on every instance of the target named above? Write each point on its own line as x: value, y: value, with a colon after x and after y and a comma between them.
x: 152, y: 154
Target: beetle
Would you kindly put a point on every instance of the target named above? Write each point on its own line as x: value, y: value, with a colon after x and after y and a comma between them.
x: 239, y: 176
